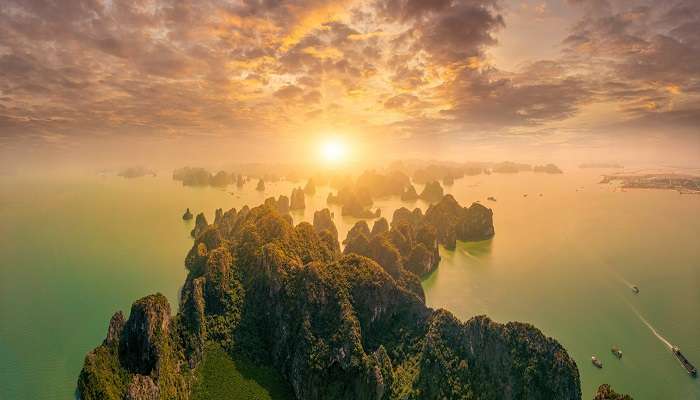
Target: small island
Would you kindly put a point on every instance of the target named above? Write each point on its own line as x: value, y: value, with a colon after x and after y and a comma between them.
x: 190, y: 176
x: 548, y: 169
x: 187, y: 215
x: 600, y: 165
x: 135, y: 172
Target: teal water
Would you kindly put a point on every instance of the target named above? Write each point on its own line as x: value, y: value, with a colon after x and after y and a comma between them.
x: 75, y: 250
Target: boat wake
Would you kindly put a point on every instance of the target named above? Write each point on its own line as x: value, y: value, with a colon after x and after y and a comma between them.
x: 648, y: 325
x: 622, y: 279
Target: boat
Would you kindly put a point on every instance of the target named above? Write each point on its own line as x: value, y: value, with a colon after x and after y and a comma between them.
x: 635, y: 289
x: 616, y: 351
x: 692, y: 371
x: 596, y: 362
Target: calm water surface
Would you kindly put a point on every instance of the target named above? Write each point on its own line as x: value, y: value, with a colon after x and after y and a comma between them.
x: 75, y: 250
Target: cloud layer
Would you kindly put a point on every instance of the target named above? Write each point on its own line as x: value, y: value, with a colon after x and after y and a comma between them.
x: 408, y: 68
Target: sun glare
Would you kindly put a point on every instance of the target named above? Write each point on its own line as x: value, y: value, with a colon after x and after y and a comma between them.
x: 333, y: 150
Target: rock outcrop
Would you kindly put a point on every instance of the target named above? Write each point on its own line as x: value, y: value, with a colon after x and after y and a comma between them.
x: 407, y: 246
x: 548, y: 169
x: 380, y: 226
x: 201, y: 177
x: 297, y: 200
x: 334, y: 326
x: 432, y: 192
x: 145, y: 333
x: 135, y: 172
x: 281, y: 204
x: 187, y: 215
x: 218, y: 215
x: 200, y: 224
x: 605, y: 392
x: 453, y: 222
x: 260, y: 186
x: 138, y: 359
x: 409, y: 194
x: 441, y: 172
x: 142, y: 388
x: 114, y: 332
x: 310, y: 188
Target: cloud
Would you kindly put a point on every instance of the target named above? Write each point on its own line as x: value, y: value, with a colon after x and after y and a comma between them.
x: 410, y: 68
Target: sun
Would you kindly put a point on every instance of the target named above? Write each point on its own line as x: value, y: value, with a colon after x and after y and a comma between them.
x: 333, y: 150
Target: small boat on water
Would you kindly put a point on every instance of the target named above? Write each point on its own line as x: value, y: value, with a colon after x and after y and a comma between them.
x: 616, y: 351
x: 596, y: 362
x: 635, y: 289
x: 692, y: 371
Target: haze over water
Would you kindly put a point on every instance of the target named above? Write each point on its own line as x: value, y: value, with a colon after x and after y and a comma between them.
x: 75, y: 250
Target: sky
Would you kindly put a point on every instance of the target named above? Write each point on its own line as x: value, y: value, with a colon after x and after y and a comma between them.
x: 260, y: 80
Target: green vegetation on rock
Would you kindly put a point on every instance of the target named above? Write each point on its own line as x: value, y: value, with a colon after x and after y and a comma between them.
x: 330, y: 325
x: 222, y: 377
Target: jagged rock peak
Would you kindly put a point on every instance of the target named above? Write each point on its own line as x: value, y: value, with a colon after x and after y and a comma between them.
x: 432, y: 192
x: 200, y: 224
x: 323, y: 221
x: 297, y: 201
x: 310, y: 188
x: 380, y: 226
x: 144, y: 333
x: 409, y: 194
x: 116, y: 326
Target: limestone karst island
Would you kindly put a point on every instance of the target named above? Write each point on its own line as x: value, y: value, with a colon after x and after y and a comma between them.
x: 349, y: 200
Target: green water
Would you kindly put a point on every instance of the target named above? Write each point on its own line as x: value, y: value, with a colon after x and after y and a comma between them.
x: 75, y: 250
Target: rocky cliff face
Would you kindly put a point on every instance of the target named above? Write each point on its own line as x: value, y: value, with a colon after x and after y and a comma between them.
x: 144, y: 334
x: 139, y: 358
x: 297, y: 200
x: 335, y: 326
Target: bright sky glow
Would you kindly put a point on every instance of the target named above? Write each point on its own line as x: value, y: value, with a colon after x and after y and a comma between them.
x: 333, y: 150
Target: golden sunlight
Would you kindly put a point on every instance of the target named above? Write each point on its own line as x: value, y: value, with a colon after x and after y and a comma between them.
x: 333, y: 150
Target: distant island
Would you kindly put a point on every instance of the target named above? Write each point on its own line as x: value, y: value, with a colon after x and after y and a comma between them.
x: 190, y: 176
x: 508, y: 167
x: 548, y: 169
x: 135, y: 172
x: 601, y: 165
x: 322, y: 323
x: 684, y: 184
x: 395, y: 180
